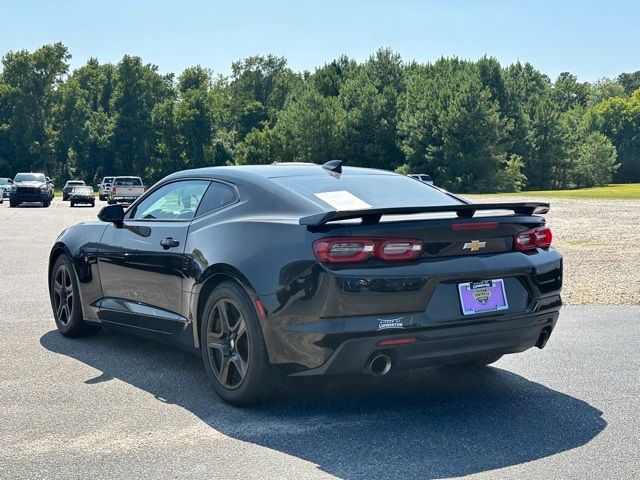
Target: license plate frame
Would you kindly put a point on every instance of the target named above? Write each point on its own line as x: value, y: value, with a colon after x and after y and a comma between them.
x: 484, y: 296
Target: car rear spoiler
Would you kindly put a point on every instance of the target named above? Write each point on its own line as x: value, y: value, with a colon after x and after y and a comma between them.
x: 463, y: 210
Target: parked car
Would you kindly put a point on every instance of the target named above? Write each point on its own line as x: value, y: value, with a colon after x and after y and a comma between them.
x: 5, y: 188
x: 104, y: 187
x: 66, y: 190
x: 125, y: 190
x: 82, y: 194
x: 423, y: 177
x: 51, y: 187
x: 29, y: 188
x: 311, y: 270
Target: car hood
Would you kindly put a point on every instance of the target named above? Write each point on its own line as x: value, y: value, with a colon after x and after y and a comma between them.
x: 32, y: 184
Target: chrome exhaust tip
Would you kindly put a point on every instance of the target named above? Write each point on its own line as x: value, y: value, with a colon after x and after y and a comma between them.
x: 380, y: 365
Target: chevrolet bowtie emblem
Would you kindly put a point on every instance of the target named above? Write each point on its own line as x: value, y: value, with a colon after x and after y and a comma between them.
x: 474, y: 245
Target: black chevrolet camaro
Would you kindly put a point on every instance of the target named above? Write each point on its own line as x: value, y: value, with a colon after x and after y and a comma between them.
x: 279, y: 270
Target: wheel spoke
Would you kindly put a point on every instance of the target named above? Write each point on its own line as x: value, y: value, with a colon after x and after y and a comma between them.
x: 223, y: 373
x: 214, y: 341
x: 224, y: 316
x: 241, y: 328
x: 65, y: 309
x: 239, y: 364
x: 59, y: 308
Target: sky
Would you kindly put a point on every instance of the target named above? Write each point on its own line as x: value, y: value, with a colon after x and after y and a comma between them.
x: 589, y: 39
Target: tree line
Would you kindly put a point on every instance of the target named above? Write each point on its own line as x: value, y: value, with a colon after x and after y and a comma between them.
x: 474, y: 126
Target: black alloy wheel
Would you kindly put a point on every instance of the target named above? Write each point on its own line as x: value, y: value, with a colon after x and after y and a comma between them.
x: 233, y: 347
x: 63, y: 295
x: 65, y: 301
x: 228, y: 343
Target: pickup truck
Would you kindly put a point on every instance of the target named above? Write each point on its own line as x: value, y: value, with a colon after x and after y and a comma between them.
x: 125, y: 190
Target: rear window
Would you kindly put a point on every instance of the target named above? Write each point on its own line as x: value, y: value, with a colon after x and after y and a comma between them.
x: 75, y: 182
x: 107, y: 180
x: 366, y: 191
x: 129, y: 182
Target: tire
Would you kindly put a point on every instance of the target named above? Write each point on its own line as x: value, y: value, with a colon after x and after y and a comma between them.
x: 249, y: 378
x: 65, y: 197
x: 93, y: 204
x: 72, y: 204
x: 65, y: 301
x: 13, y: 204
x: 101, y: 197
x: 46, y: 204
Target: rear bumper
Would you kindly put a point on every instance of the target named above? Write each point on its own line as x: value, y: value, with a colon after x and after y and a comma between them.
x: 82, y: 199
x: 331, y: 321
x: 441, y: 345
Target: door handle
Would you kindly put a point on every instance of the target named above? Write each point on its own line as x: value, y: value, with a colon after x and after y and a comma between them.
x: 168, y: 243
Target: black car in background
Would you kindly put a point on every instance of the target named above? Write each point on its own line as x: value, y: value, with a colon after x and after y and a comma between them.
x: 280, y: 270
x: 29, y: 188
x: 82, y: 194
x: 66, y: 190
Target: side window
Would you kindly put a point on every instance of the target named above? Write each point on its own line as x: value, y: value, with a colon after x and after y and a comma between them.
x: 217, y: 196
x: 174, y: 201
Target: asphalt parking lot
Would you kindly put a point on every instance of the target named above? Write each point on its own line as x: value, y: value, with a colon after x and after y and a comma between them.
x: 114, y: 406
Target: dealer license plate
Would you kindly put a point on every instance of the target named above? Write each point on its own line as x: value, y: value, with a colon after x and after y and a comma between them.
x: 484, y: 296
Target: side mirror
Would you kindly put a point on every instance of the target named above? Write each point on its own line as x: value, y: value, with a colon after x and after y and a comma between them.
x: 113, y: 214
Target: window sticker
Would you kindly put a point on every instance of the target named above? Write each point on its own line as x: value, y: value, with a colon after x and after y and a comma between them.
x: 343, y: 200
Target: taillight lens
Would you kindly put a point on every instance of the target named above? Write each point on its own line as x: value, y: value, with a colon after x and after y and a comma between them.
x: 113, y: 190
x: 358, y: 249
x: 343, y: 249
x: 532, y: 239
x: 399, y: 249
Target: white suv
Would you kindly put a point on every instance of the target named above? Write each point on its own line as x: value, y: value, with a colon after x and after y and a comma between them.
x: 104, y: 187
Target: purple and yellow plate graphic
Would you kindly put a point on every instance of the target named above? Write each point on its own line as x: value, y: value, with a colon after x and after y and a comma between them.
x: 480, y: 297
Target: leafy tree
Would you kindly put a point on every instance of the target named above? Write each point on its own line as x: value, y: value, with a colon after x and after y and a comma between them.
x: 193, y: 118
x: 259, y: 87
x: 604, y: 89
x: 310, y: 128
x: 370, y: 100
x: 630, y: 81
x: 137, y: 88
x: 451, y: 126
x: 568, y: 92
x: 595, y: 162
x: 28, y: 96
x: 472, y: 125
x: 619, y: 120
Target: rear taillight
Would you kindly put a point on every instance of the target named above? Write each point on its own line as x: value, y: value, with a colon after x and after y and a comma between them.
x: 113, y: 190
x: 532, y: 239
x: 358, y: 249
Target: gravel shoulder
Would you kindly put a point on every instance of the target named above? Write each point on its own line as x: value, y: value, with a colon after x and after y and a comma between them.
x: 600, y: 244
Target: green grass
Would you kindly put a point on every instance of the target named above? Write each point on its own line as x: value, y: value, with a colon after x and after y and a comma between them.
x: 625, y: 191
